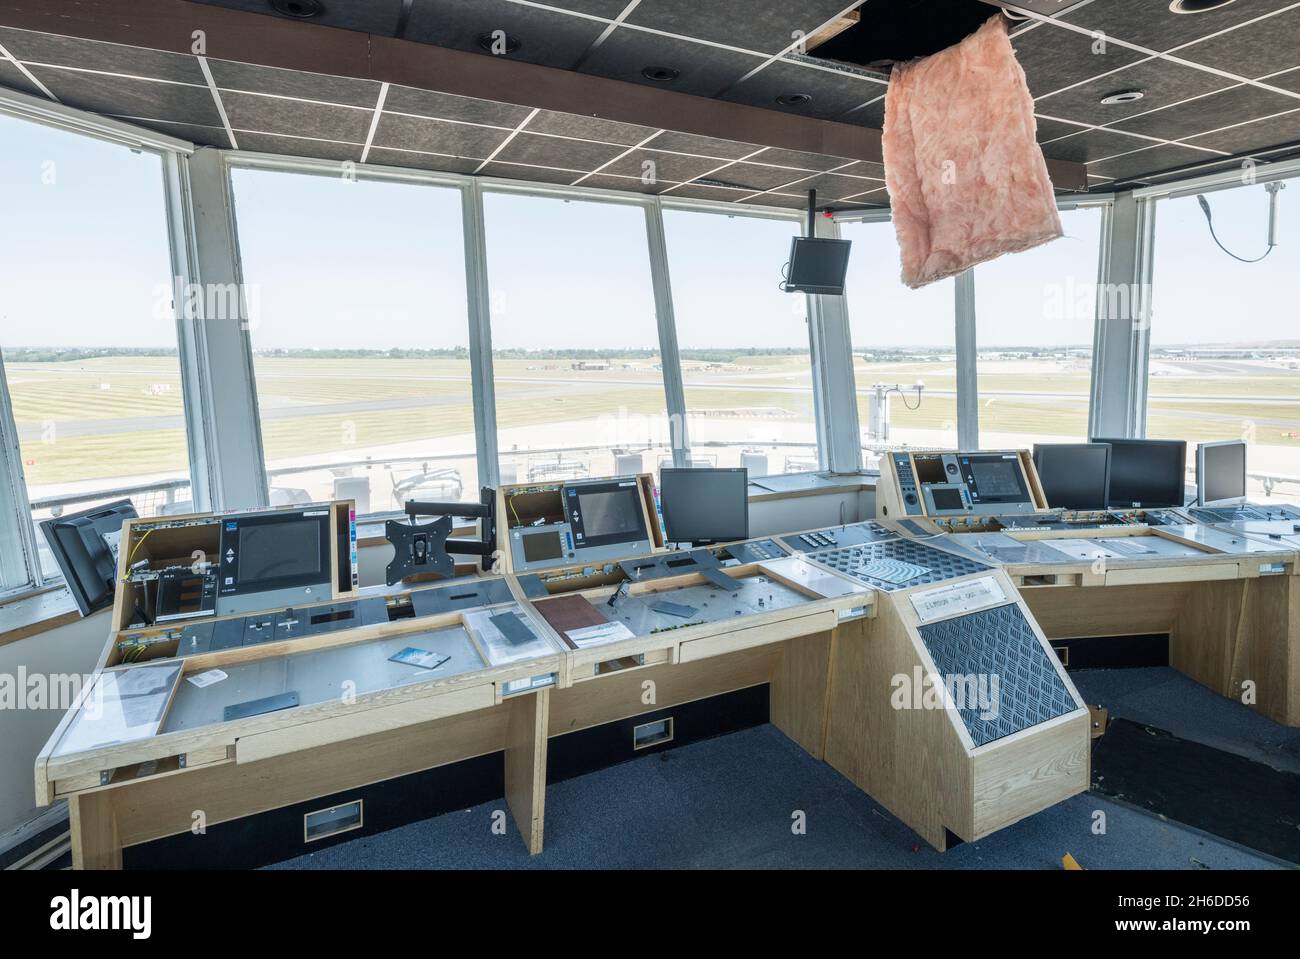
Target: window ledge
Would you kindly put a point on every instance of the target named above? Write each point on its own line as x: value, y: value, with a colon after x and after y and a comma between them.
x: 37, y: 613
x: 789, y: 486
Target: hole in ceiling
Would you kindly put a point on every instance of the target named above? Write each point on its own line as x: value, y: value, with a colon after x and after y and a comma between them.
x: 794, y: 99
x: 895, y: 31
x: 498, y: 42
x: 1122, y: 96
x: 298, y: 9
x: 1197, y: 6
x: 660, y: 74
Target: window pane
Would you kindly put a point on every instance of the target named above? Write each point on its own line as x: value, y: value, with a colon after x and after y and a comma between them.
x: 360, y: 338
x: 86, y: 324
x: 746, y: 361
x: 1034, y: 327
x: 1225, y: 359
x: 575, y: 343
x: 900, y: 337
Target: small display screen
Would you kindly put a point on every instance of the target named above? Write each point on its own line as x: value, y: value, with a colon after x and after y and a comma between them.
x: 995, y: 480
x: 279, y: 550
x: 614, y: 514
x: 1223, y: 476
x: 946, y: 499
x: 542, y: 546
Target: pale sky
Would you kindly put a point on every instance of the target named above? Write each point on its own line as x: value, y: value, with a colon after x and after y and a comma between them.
x: 83, y: 262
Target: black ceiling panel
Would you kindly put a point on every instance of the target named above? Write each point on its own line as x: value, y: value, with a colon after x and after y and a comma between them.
x: 832, y: 186
x: 864, y: 168
x: 1093, y: 145
x: 437, y: 136
x: 46, y: 48
x: 268, y: 143
x: 602, y: 181
x: 1210, y: 113
x: 370, y: 16
x: 546, y: 37
x: 1161, y: 157
x: 588, y: 128
x: 833, y: 94
x: 703, y: 70
x: 558, y: 152
x: 751, y: 176
x: 1287, y: 80
x: 1252, y: 51
x: 1151, y: 24
x: 1053, y: 58
x: 669, y: 167
x: 608, y: 9
x: 294, y: 83
x: 870, y: 114
x: 14, y: 79
x: 447, y: 106
x: 1161, y: 84
x: 694, y: 191
x: 248, y: 111
x: 782, y: 200
x: 1254, y: 136
x: 765, y: 27
x: 421, y: 161
x: 797, y: 160
x: 128, y: 96
x: 1049, y: 129
x: 195, y: 133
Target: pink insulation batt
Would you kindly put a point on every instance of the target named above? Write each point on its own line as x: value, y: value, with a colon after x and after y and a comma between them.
x: 967, y: 181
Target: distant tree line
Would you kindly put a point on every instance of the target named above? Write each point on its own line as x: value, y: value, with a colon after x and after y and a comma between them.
x: 52, y: 354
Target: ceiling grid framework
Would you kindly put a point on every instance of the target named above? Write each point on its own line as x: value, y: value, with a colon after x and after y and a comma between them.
x: 1216, y: 87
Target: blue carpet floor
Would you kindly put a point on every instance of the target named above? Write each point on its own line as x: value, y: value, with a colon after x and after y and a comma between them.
x: 730, y: 802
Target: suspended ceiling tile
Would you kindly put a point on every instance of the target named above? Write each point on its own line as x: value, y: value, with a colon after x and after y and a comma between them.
x: 546, y: 37
x: 1093, y: 145
x: 1149, y: 160
x: 869, y: 114
x: 422, y: 161
x: 557, y: 152
x: 1287, y: 80
x: 525, y: 171
x: 601, y: 181
x: 703, y: 70
x: 253, y: 142
x: 1256, y: 135
x: 765, y: 27
x: 448, y: 106
x: 798, y: 160
x: 693, y: 191
x: 751, y: 176
x: 662, y: 167
x: 1252, y: 51
x: 437, y: 136
x: 196, y: 133
x: 1153, y: 25
x: 783, y: 200
x: 47, y: 48
x: 830, y: 186
x: 1053, y: 58
x: 1210, y: 113
x: 11, y: 78
x: 368, y: 16
x: 252, y: 78
x: 833, y: 93
x: 588, y: 128
x: 296, y: 117
x: 606, y: 9
x: 1052, y: 129
x: 1161, y: 84
x: 864, y: 168
x: 130, y: 96
x: 670, y: 140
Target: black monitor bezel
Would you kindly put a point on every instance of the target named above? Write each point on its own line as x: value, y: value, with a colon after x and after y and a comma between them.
x: 1041, y: 448
x: 49, y: 527
x: 808, y: 242
x: 677, y: 471
x: 1200, y: 473
x: 1129, y: 442
x: 322, y: 514
x: 603, y: 486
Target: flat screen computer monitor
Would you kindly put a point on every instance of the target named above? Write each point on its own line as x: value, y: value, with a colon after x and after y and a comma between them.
x: 704, y: 506
x: 85, y: 547
x: 1146, y: 474
x: 1074, y: 475
x: 1221, y: 473
x: 817, y: 265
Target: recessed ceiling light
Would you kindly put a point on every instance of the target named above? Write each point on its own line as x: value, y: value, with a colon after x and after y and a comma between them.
x: 1122, y: 96
x: 794, y: 99
x: 300, y: 9
x: 660, y: 74
x: 1197, y: 6
x: 488, y: 41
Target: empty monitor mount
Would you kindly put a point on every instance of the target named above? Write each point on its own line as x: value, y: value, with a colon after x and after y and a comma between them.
x: 426, y: 548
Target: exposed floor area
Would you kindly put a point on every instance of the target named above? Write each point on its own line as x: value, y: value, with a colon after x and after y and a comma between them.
x: 732, y: 802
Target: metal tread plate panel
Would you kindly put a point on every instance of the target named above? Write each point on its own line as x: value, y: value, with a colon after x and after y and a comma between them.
x: 935, y: 564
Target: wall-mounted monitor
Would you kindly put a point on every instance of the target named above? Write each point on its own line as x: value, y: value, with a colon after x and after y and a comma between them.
x: 85, y: 546
x: 1221, y: 473
x: 817, y: 265
x: 704, y: 506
